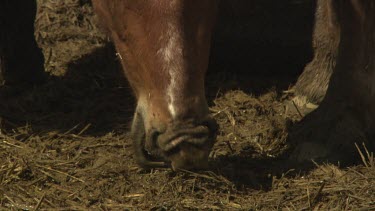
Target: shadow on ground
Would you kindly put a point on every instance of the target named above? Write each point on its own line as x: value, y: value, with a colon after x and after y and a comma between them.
x: 93, y: 92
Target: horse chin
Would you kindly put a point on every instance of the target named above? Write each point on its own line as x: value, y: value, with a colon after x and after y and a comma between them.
x: 189, y: 157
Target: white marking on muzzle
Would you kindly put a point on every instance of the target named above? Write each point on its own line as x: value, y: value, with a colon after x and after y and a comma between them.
x: 171, y: 54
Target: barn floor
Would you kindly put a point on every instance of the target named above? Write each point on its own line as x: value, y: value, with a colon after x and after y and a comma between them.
x: 64, y: 145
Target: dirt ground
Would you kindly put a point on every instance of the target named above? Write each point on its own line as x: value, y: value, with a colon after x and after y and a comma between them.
x: 64, y: 145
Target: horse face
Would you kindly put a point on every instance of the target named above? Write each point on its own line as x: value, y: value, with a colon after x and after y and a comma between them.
x: 164, y: 49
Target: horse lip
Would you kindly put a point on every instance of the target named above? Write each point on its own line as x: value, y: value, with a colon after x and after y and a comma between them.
x: 184, y: 139
x: 174, y: 143
x: 197, y: 136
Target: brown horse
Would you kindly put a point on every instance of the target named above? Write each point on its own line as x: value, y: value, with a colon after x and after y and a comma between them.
x: 164, y: 49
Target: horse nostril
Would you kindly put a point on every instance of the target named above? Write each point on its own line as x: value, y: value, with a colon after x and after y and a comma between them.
x: 211, y: 124
x: 151, y: 140
x: 154, y: 137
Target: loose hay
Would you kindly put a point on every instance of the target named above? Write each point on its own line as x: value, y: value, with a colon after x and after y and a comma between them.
x: 65, y: 146
x: 78, y: 172
x: 66, y: 30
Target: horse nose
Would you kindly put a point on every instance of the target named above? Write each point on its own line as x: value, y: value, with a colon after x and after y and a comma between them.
x: 211, y: 124
x: 187, y: 146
